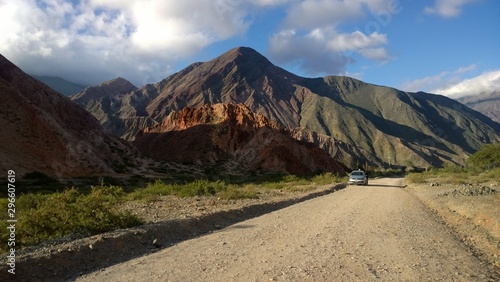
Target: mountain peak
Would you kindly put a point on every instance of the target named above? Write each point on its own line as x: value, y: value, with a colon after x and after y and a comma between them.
x: 118, y: 82
x: 244, y: 54
x: 108, y: 88
x: 242, y: 50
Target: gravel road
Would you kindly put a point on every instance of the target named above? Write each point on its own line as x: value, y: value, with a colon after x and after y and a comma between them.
x: 361, y: 233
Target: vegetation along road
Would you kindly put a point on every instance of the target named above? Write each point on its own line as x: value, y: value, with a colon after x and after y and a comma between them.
x: 360, y: 233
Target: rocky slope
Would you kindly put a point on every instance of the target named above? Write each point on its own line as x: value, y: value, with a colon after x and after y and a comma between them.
x: 116, y: 106
x: 222, y: 133
x: 349, y: 155
x: 389, y: 126
x: 44, y: 131
x: 488, y: 104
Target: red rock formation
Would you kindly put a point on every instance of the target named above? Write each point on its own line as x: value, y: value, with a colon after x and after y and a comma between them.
x: 214, y: 133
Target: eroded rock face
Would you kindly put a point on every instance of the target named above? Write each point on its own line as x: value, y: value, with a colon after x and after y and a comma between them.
x: 44, y: 131
x: 219, y: 132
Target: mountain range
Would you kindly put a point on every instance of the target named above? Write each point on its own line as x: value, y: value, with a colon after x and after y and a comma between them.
x: 356, y: 122
x: 237, y: 111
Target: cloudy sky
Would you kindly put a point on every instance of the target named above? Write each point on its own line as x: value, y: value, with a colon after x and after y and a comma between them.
x: 449, y: 47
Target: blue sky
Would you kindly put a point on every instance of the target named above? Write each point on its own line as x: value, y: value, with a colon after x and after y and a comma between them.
x: 448, y: 47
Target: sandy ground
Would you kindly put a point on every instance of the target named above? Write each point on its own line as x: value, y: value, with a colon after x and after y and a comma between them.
x: 376, y: 232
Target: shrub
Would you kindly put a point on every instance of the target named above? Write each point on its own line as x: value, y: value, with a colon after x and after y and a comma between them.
x: 416, y: 178
x: 46, y: 217
x: 198, y: 187
x: 327, y: 178
x: 488, y: 157
x: 234, y: 192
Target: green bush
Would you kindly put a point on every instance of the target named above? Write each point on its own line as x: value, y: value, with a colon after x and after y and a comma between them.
x: 488, y: 157
x: 416, y: 177
x: 492, y: 175
x: 199, y: 187
x: 46, y: 217
x: 234, y: 192
x: 327, y: 178
x: 484, y: 165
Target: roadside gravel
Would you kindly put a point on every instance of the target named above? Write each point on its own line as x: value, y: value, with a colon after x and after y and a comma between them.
x: 378, y: 232
x: 169, y: 220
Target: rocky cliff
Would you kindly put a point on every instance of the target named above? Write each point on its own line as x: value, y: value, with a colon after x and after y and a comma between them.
x: 218, y: 133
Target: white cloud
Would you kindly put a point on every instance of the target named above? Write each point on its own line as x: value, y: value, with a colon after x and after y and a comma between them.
x: 441, y: 80
x: 268, y: 2
x: 378, y: 54
x: 106, y: 38
x: 487, y: 82
x: 356, y: 41
x: 425, y: 84
x: 310, y: 52
x: 457, y: 83
x: 447, y: 8
x: 312, y: 37
x: 324, y: 50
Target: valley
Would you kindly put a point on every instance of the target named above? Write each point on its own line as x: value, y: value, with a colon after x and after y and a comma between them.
x: 229, y: 160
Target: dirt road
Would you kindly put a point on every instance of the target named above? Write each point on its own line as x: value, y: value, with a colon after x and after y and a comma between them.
x: 360, y: 233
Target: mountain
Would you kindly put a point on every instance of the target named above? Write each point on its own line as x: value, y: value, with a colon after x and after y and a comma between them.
x: 349, y: 155
x: 387, y: 125
x: 44, y: 131
x: 228, y: 133
x: 67, y: 88
x: 117, y: 105
x: 488, y: 104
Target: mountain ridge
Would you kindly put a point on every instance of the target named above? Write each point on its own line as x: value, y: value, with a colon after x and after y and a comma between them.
x: 393, y: 126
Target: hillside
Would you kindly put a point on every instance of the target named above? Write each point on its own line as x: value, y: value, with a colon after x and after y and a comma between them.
x: 231, y: 134
x: 44, y: 131
x: 388, y: 125
x: 488, y: 104
x: 117, y: 107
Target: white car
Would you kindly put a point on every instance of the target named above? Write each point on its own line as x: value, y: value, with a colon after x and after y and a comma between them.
x: 358, y: 177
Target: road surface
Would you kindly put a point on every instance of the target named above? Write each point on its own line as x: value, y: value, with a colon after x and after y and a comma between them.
x: 361, y: 233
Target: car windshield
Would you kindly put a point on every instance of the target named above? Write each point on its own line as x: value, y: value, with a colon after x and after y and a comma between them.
x: 357, y: 173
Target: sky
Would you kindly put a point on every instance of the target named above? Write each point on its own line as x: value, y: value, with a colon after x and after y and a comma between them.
x: 448, y: 47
